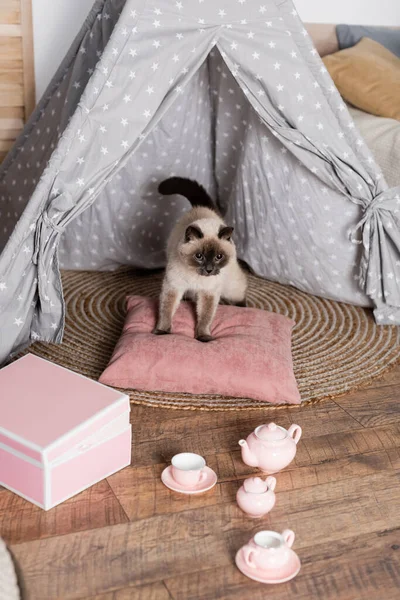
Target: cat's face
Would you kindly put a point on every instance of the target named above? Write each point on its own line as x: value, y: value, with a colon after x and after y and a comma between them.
x: 207, y: 255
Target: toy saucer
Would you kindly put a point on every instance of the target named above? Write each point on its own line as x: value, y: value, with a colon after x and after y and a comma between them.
x: 208, y: 482
x: 274, y: 575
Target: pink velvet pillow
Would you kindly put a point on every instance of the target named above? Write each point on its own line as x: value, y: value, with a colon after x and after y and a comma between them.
x: 249, y: 358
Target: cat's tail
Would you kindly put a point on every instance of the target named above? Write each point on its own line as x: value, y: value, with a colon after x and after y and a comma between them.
x: 192, y: 190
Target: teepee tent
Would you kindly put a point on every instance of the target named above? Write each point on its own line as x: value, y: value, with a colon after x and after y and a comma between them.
x: 229, y: 92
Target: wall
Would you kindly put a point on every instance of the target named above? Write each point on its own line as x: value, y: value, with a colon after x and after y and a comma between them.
x: 56, y: 22
x: 357, y: 12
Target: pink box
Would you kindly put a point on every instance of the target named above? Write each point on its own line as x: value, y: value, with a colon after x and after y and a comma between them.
x: 60, y: 432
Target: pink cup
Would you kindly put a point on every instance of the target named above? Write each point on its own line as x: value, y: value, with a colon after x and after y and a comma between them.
x: 268, y: 549
x: 188, y: 468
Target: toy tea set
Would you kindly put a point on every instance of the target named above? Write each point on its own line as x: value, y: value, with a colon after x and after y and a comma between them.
x: 268, y: 557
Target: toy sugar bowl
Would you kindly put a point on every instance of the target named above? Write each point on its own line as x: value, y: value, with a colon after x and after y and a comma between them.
x: 270, y: 447
x: 256, y: 497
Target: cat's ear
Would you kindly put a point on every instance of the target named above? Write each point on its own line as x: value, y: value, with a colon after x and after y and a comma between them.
x: 225, y: 233
x: 193, y: 233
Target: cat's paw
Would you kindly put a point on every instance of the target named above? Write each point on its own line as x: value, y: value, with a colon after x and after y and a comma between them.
x: 157, y: 331
x: 204, y: 338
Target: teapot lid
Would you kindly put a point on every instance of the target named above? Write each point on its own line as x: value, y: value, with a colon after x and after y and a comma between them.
x: 255, y: 485
x: 270, y: 432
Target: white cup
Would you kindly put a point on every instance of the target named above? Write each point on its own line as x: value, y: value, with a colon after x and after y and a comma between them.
x: 188, y: 468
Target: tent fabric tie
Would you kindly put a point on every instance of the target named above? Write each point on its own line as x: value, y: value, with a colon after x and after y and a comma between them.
x: 43, y: 223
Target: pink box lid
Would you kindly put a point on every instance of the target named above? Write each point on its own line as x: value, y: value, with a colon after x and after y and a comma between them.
x: 41, y: 403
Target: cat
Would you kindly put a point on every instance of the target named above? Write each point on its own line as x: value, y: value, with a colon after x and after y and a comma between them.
x: 201, y: 261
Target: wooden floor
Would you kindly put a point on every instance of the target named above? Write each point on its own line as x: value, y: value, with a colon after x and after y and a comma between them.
x: 130, y: 538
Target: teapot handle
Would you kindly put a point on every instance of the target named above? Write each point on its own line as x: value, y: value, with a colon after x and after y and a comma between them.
x: 271, y: 482
x: 288, y: 536
x: 247, y: 554
x: 296, y: 430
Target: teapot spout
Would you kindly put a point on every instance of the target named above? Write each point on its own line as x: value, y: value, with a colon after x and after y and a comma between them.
x: 247, y: 456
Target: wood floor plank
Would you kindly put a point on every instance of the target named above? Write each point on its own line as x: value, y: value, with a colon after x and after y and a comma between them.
x: 130, y: 537
x: 142, y: 495
x: 95, y: 507
x: 359, y: 568
x: 159, y: 434
x: 155, y: 591
x: 192, y: 540
x: 373, y: 407
x: 102, y: 560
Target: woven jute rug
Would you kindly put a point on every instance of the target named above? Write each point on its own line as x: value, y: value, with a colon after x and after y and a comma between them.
x: 336, y: 347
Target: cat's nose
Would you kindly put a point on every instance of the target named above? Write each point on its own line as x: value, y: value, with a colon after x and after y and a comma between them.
x: 209, y: 269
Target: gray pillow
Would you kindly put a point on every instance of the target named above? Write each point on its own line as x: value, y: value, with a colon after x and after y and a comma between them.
x: 349, y: 35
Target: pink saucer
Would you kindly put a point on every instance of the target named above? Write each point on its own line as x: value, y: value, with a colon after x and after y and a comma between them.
x: 203, y: 486
x: 276, y: 575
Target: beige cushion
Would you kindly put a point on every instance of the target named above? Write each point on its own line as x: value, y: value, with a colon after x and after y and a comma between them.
x: 368, y: 76
x: 383, y: 138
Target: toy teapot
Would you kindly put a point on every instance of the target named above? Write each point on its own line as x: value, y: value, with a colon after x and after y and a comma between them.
x: 270, y: 447
x: 256, y: 497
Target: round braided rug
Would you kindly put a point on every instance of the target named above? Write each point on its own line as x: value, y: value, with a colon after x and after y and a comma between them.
x: 336, y: 347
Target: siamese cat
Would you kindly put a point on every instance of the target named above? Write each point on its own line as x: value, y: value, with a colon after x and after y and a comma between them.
x: 201, y: 261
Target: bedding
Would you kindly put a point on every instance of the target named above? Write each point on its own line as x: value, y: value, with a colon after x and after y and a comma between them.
x: 350, y: 35
x: 383, y: 138
x: 368, y: 76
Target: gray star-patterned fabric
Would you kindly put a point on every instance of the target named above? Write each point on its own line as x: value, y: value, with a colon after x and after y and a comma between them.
x: 229, y: 92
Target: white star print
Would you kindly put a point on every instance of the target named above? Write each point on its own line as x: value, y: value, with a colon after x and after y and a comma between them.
x: 124, y: 122
x: 82, y: 138
x: 105, y: 107
x: 147, y: 114
x: 154, y: 66
x: 3, y: 286
x: 157, y: 24
x: 262, y: 9
x: 234, y: 46
x: 280, y: 87
x: 256, y: 55
x: 250, y: 35
x: 80, y: 182
x: 26, y: 249
x: 127, y: 98
x: 179, y: 5
x: 175, y: 58
x: 320, y: 126
x: 53, y: 326
x: 297, y: 75
x: 299, y: 97
x: 277, y: 66
x: 104, y: 150
x: 18, y: 322
x: 222, y: 13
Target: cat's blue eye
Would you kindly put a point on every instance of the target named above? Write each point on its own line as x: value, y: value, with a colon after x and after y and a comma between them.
x: 219, y: 257
x: 198, y: 256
